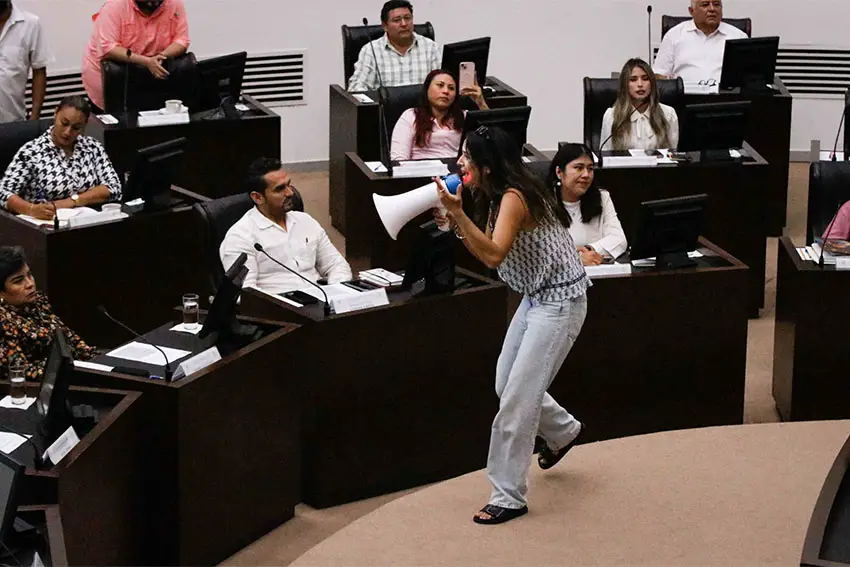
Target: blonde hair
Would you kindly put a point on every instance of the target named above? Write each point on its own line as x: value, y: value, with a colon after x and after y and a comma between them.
x: 622, y: 124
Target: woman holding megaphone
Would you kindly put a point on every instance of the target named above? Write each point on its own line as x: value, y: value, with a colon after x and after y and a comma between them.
x: 521, y: 229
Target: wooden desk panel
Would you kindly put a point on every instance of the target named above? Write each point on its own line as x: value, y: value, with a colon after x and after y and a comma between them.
x: 396, y: 396
x: 810, y: 339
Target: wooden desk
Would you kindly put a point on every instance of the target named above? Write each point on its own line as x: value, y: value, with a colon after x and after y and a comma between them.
x: 221, y: 456
x: 769, y: 132
x: 734, y: 214
x: 354, y: 128
x: 51, y: 547
x: 217, y: 153
x: 810, y: 339
x: 395, y: 396
x: 660, y: 350
x: 96, y: 484
x: 147, y: 259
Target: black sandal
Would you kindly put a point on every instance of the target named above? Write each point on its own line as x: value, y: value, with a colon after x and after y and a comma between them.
x: 499, y: 515
x: 547, y: 458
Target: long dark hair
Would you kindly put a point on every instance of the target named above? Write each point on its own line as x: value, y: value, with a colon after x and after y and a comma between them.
x: 424, y: 123
x: 623, y: 108
x: 493, y: 148
x: 591, y: 201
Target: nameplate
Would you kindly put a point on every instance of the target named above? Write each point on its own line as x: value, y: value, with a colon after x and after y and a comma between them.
x: 197, y: 363
x: 608, y: 270
x: 842, y: 262
x: 629, y: 161
x: 62, y: 446
x: 363, y: 300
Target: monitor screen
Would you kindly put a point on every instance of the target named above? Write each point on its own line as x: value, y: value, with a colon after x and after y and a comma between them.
x: 475, y: 50
x: 10, y: 473
x: 222, y: 314
x: 668, y: 229
x: 153, y: 171
x: 220, y: 78
x: 513, y: 120
x: 52, y: 401
x: 431, y: 259
x: 749, y: 64
x: 714, y: 126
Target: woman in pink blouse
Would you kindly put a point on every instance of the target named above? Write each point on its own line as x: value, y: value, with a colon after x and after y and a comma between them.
x: 433, y: 129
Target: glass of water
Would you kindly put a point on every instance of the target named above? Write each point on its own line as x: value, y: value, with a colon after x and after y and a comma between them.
x: 190, y: 311
x: 18, y: 378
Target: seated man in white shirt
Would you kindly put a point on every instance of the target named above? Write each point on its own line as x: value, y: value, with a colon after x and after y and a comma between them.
x: 403, y: 56
x: 693, y: 50
x: 293, y: 238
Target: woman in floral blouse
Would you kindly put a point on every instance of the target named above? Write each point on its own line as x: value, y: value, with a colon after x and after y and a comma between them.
x: 27, y: 321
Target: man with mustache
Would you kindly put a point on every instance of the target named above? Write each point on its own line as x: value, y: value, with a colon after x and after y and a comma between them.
x: 291, y: 237
x: 694, y: 49
x: 22, y: 47
x: 142, y: 32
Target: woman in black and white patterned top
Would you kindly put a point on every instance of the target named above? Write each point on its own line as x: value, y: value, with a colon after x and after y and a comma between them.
x: 520, y: 228
x: 60, y: 169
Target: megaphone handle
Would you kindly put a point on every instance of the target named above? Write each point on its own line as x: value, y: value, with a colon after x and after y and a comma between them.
x: 447, y: 226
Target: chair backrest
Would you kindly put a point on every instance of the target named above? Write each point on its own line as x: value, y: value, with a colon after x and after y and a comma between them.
x: 601, y: 94
x: 846, y: 130
x: 145, y: 91
x: 13, y: 135
x: 400, y: 99
x: 355, y: 37
x: 540, y: 168
x: 669, y: 22
x: 829, y: 188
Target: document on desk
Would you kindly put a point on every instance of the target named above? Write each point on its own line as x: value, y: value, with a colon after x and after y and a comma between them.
x: 11, y: 441
x: 35, y: 221
x: 376, y: 166
x: 608, y: 270
x: 334, y: 291
x: 650, y: 262
x: 360, y: 97
x: 141, y: 352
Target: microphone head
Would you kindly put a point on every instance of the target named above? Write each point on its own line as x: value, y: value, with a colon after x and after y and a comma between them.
x: 365, y: 21
x: 102, y: 309
x: 258, y: 247
x: 649, y: 8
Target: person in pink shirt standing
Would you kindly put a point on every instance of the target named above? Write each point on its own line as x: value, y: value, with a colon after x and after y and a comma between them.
x: 142, y: 32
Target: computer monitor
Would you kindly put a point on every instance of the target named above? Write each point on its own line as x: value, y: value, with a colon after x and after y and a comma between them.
x: 220, y: 79
x: 749, y: 64
x: 475, y: 50
x: 152, y: 173
x: 668, y: 229
x: 431, y: 259
x: 713, y: 128
x: 513, y: 120
x: 54, y: 412
x: 11, y: 472
x: 220, y: 323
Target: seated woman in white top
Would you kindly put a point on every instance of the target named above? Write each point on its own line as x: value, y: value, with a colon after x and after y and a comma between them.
x: 637, y: 121
x: 594, y: 225
x: 433, y: 129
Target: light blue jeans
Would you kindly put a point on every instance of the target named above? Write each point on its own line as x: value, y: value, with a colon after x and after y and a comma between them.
x: 538, y: 340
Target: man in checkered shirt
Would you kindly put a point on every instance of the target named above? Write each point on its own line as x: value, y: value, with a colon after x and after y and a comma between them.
x: 404, y: 57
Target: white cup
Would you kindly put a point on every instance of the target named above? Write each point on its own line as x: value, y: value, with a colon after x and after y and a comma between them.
x: 111, y: 208
x: 173, y: 106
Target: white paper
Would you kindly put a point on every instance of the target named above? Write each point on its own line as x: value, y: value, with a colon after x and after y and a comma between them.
x: 842, y: 262
x: 362, y: 98
x: 278, y: 297
x: 37, y: 561
x: 35, y: 221
x: 197, y: 363
x: 334, y: 291
x: 696, y: 88
x: 7, y: 403
x: 92, y: 366
x: 141, y: 352
x: 649, y: 262
x: 421, y: 163
x: 107, y: 119
x: 62, y: 446
x: 241, y: 107
x: 376, y: 166
x: 362, y: 300
x: 183, y: 328
x: 11, y: 441
x: 608, y: 270
x: 734, y: 154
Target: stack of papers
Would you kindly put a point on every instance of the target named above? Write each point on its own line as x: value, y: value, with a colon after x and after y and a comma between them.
x: 148, y: 354
x: 421, y: 168
x: 161, y: 117
x: 381, y: 277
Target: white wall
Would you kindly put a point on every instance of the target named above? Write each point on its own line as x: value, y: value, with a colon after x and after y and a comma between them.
x: 541, y: 47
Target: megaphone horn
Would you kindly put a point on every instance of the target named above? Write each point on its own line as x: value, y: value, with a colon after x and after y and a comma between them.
x: 398, y: 210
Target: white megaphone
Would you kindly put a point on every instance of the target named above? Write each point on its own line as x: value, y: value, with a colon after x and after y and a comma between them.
x: 397, y: 211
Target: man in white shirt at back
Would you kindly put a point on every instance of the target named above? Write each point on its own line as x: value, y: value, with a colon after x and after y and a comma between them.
x: 291, y: 237
x: 23, y: 46
x: 693, y: 50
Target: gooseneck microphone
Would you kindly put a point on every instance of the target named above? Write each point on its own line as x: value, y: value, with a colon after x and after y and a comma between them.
x: 383, y: 95
x: 259, y: 248
x: 38, y: 460
x: 649, y: 32
x: 168, y: 373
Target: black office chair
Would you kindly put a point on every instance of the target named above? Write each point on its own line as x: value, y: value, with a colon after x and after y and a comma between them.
x: 13, y: 135
x: 829, y: 188
x: 400, y: 99
x: 355, y: 37
x: 145, y: 91
x: 669, y: 22
x: 601, y: 94
x: 846, y: 130
x: 217, y: 216
x: 540, y: 169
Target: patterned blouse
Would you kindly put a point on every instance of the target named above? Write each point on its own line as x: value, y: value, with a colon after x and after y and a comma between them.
x: 41, y: 171
x: 25, y: 335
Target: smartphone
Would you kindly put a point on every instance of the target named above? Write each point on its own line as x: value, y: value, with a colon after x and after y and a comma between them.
x: 466, y: 75
x: 360, y: 285
x: 300, y: 297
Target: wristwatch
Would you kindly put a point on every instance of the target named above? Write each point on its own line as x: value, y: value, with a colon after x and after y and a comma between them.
x: 76, y: 198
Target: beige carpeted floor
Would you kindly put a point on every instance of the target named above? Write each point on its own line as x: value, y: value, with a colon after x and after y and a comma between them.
x: 310, y: 527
